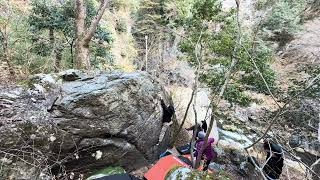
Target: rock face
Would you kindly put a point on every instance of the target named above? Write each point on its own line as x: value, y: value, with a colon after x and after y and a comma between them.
x: 100, y: 120
x: 181, y: 97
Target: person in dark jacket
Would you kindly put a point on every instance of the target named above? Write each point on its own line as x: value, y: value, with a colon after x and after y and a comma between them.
x: 208, y: 154
x: 273, y: 168
x: 167, y: 112
x: 199, y: 128
x: 195, y: 130
x: 204, y: 126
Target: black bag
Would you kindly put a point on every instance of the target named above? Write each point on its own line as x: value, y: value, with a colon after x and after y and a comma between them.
x: 183, y: 150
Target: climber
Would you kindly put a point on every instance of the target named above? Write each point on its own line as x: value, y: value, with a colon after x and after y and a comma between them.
x: 199, y: 128
x: 273, y: 167
x: 167, y: 112
x: 204, y: 125
x: 208, y: 154
x: 195, y: 130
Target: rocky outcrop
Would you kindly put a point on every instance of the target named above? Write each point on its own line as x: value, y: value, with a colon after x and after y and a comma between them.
x: 88, y: 121
x: 201, y: 101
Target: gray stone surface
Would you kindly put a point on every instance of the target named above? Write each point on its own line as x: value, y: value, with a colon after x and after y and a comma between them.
x: 115, y: 115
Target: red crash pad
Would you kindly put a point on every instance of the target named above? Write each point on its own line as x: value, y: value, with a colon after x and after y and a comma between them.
x: 162, y: 167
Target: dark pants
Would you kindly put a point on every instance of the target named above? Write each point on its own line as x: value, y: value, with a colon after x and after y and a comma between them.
x: 273, y: 168
x: 206, y: 164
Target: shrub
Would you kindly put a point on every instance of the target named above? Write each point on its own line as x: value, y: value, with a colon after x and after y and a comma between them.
x: 283, y: 20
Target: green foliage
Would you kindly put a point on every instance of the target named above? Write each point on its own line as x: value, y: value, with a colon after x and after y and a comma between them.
x: 150, y: 20
x: 52, y: 28
x: 42, y: 48
x: 218, y: 175
x: 13, y: 22
x: 133, y: 5
x: 312, y: 92
x: 60, y: 17
x: 177, y: 12
x: 100, y: 54
x: 283, y: 20
x: 37, y: 38
x: 211, y: 39
x: 196, y: 174
x: 44, y: 15
x: 284, y: 17
x: 235, y: 94
x: 209, y: 10
x: 262, y: 57
x: 263, y: 4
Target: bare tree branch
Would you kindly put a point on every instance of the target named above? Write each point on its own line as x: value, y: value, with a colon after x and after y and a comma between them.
x: 256, y: 165
x: 196, y: 125
x: 261, y: 75
x: 224, y: 87
x: 194, y: 89
x: 319, y: 129
x: 91, y: 30
x: 299, y: 160
x: 312, y: 82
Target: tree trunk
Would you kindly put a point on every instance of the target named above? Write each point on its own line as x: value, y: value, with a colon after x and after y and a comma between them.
x: 146, y: 55
x: 194, y: 135
x: 58, y: 58
x: 71, y: 52
x: 83, y: 36
x: 319, y: 129
x: 223, y: 88
x: 81, y: 56
x: 82, y: 60
x: 51, y: 37
x: 56, y: 51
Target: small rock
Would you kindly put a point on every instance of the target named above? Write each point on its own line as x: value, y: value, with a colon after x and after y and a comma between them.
x: 76, y: 156
x: 247, y: 167
x: 298, y: 149
x: 181, y: 172
x: 48, y: 79
x: 219, y: 151
x: 44, y: 79
x: 71, y: 75
x: 237, y: 157
x: 33, y: 136
x: 229, y: 127
x: 17, y: 91
x: 270, y: 134
x: 71, y: 175
x: 8, y: 96
x: 52, y: 138
x: 216, y: 166
x: 252, y: 118
x: 295, y: 141
x: 39, y: 88
x: 5, y: 160
x: 140, y: 172
x: 98, y: 155
x: 6, y: 102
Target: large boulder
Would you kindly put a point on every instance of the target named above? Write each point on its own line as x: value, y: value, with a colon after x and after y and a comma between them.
x: 105, y: 119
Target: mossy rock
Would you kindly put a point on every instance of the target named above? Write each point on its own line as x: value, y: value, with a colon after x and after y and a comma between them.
x: 184, y: 173
x: 107, y: 171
